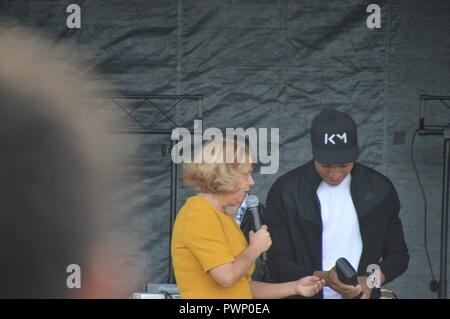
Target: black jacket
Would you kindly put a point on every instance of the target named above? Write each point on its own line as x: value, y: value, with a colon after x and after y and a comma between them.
x: 295, y: 225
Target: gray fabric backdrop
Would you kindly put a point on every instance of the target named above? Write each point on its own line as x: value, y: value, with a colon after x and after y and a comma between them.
x: 267, y: 64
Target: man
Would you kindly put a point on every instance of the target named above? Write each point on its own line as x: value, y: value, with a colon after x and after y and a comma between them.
x: 334, y: 207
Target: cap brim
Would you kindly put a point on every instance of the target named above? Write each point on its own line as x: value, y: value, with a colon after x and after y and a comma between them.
x: 336, y: 157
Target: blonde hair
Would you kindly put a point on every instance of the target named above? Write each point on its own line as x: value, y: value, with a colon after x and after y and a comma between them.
x: 218, y: 166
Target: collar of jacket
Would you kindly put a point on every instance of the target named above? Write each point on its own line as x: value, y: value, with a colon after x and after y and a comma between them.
x: 361, y: 189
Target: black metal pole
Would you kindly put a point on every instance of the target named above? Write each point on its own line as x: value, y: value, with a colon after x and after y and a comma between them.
x: 150, y: 97
x: 434, y: 97
x: 444, y: 220
x: 173, y: 209
x: 445, y: 131
x: 144, y: 132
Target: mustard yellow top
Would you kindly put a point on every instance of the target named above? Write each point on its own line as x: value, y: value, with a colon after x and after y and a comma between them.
x: 203, y: 238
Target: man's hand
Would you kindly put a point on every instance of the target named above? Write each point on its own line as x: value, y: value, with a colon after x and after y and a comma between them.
x: 332, y: 281
x: 365, y: 289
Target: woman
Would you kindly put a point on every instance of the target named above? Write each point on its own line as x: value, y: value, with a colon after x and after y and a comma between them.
x: 210, y: 254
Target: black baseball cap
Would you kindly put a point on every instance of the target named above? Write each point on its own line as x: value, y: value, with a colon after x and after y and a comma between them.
x: 334, y: 138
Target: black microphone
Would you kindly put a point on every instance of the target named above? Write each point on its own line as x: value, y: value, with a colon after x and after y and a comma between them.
x: 252, y: 203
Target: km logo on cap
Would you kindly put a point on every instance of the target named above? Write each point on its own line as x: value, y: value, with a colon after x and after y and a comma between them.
x: 330, y: 138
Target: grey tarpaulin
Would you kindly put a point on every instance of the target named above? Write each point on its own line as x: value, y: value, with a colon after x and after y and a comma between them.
x: 269, y: 64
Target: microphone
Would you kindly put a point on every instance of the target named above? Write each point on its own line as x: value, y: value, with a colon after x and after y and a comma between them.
x: 252, y: 203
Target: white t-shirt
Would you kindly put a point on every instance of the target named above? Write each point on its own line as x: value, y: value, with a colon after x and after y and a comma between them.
x: 341, y: 236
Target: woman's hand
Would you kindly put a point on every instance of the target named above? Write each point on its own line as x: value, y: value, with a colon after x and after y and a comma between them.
x: 260, y: 240
x: 309, y: 286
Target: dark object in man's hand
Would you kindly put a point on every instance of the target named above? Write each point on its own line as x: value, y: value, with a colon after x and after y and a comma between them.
x: 346, y: 273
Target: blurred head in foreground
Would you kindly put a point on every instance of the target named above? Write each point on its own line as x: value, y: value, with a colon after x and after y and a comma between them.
x: 53, y: 211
